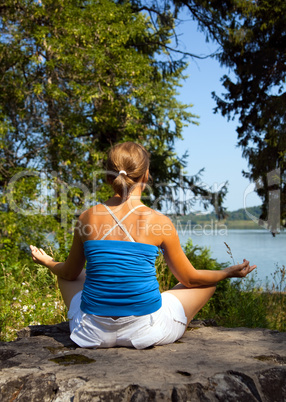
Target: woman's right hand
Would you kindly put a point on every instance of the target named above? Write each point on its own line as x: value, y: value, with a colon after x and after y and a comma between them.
x: 39, y: 256
x: 240, y: 270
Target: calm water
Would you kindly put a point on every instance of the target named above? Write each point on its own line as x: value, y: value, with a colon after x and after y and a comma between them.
x: 258, y: 246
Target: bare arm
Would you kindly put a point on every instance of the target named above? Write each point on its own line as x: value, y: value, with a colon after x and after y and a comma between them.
x: 187, y: 274
x: 71, y: 268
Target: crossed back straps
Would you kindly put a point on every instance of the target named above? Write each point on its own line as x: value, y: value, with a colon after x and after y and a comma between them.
x: 119, y: 222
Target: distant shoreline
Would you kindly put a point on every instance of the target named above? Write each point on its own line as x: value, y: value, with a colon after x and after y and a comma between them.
x: 233, y: 224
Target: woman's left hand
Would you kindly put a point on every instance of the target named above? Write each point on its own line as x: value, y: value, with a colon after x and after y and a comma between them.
x: 240, y: 270
x: 39, y: 256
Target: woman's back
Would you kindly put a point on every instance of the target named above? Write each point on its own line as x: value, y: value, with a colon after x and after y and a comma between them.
x: 120, y: 278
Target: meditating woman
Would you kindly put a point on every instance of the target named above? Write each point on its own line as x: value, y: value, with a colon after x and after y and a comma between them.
x: 116, y: 301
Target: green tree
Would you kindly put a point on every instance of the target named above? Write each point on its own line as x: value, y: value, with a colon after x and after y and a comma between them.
x: 77, y: 77
x: 254, y: 48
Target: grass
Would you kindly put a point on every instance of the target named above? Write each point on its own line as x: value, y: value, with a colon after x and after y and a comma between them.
x: 29, y: 295
x: 247, y: 305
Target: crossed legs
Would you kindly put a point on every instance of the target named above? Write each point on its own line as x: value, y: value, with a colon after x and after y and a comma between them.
x: 70, y: 288
x: 192, y: 299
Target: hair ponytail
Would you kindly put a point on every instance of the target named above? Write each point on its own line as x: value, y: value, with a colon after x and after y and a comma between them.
x: 126, y: 164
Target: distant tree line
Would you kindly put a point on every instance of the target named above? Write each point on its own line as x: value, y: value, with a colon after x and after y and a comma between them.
x: 241, y: 214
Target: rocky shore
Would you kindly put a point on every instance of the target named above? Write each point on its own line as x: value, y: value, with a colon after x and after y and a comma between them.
x: 209, y: 363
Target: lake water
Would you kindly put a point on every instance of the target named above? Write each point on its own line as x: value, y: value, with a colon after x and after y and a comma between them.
x: 258, y: 246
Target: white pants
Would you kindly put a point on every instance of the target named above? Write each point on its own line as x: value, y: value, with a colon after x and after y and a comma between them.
x: 164, y: 326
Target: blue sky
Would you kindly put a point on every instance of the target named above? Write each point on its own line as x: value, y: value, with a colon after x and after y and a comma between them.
x: 212, y: 144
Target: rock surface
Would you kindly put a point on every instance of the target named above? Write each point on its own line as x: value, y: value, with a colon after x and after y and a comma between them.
x: 207, y: 364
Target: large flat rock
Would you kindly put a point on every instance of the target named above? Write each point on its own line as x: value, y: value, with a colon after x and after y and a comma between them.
x: 207, y: 364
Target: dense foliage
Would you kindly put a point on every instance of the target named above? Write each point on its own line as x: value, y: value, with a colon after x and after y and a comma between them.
x: 76, y: 79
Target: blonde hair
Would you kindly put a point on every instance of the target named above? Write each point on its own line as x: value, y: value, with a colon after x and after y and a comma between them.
x: 130, y: 158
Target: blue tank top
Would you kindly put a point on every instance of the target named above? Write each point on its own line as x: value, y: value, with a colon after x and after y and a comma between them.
x: 120, y: 278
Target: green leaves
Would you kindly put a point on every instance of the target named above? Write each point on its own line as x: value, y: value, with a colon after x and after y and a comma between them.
x: 79, y: 76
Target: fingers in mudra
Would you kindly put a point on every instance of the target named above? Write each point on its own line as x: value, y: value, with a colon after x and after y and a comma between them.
x: 247, y: 268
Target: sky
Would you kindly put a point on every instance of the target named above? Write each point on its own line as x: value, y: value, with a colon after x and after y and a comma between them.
x: 213, y: 144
